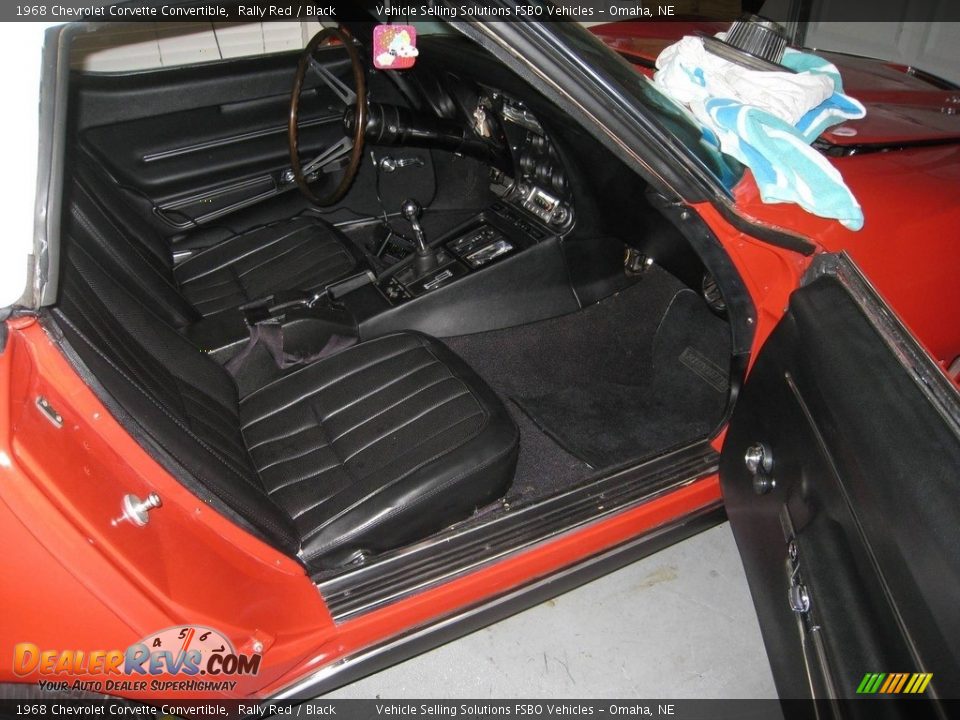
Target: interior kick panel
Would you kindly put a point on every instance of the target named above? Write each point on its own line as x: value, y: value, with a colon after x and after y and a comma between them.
x: 852, y: 512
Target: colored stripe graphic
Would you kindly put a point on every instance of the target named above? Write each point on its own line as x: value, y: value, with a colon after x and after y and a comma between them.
x: 894, y: 683
x: 892, y: 678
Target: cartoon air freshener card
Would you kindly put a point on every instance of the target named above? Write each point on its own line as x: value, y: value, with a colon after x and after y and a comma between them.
x: 394, y: 47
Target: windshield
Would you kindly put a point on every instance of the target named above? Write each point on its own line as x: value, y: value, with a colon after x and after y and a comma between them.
x: 669, y: 117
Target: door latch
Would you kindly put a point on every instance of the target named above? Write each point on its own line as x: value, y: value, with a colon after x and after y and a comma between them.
x: 49, y: 411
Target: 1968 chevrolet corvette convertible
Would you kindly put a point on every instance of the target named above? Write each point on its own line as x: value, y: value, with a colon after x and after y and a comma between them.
x: 310, y: 381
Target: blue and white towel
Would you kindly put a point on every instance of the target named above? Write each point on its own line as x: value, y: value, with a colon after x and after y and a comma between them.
x: 767, y: 120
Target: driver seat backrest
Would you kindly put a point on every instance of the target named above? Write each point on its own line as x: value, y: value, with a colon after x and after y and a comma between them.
x: 184, y: 402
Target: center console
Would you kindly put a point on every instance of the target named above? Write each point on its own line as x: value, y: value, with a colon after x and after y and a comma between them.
x: 490, y: 237
x: 504, y: 266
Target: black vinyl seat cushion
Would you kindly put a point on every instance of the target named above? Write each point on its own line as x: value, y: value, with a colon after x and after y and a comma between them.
x: 363, y: 451
x: 302, y: 253
x: 379, y: 445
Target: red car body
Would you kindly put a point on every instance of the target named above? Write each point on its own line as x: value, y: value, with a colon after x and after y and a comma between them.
x: 58, y: 486
x: 909, y: 197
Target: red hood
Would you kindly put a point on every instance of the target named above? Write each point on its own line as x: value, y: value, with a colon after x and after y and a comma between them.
x: 910, y: 196
x: 903, y: 107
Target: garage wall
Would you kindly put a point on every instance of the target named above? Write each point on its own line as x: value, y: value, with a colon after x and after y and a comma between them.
x: 930, y: 46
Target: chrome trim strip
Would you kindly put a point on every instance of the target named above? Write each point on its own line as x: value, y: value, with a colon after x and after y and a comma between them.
x: 231, y: 139
x: 424, y: 637
x: 461, y: 550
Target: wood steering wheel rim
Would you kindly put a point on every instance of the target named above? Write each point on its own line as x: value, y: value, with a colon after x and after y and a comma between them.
x: 359, y: 122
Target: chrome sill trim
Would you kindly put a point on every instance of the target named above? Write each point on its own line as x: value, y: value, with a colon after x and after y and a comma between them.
x: 425, y: 637
x: 464, y: 549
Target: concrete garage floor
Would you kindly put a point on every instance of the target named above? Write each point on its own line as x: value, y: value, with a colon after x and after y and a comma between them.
x: 678, y: 624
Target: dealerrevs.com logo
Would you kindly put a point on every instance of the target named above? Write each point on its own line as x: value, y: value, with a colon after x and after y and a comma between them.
x: 185, y: 658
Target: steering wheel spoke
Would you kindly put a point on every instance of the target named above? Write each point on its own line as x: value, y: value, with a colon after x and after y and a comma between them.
x: 333, y: 153
x: 342, y: 90
x: 355, y: 99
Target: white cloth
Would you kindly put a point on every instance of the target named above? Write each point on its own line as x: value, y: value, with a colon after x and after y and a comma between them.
x: 767, y: 120
x: 788, y: 96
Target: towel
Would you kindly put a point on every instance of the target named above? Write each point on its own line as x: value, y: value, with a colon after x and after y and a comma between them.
x: 767, y: 120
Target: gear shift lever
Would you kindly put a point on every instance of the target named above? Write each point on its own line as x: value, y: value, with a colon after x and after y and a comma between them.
x: 426, y: 258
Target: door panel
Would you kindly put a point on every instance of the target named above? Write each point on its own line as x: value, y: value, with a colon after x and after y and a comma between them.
x: 170, y: 154
x: 854, y: 506
x: 198, y: 141
x: 193, y: 144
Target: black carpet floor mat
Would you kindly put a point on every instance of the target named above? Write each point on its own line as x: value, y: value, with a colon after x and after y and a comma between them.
x: 632, y: 376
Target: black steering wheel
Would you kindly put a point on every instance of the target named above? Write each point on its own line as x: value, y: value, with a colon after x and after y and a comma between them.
x: 351, y: 143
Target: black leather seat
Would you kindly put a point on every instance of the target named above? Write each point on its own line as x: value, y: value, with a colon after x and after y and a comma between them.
x: 298, y: 254
x: 301, y: 253
x: 363, y: 451
x: 399, y: 424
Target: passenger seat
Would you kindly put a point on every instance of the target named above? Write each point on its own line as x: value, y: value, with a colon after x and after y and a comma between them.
x: 366, y: 450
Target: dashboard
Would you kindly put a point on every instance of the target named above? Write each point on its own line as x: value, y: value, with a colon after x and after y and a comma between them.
x: 535, y: 179
x: 532, y: 206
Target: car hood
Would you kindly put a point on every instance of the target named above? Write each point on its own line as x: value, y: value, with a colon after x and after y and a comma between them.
x: 904, y: 106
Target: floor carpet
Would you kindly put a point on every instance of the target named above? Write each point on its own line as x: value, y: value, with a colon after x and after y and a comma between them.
x: 632, y: 376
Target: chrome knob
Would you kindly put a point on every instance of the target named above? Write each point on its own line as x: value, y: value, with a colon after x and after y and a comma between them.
x: 411, y: 209
x: 137, y: 511
x: 758, y: 458
x: 799, y: 598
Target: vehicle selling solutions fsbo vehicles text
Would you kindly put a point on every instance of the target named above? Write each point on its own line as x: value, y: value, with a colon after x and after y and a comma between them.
x: 577, y: 12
